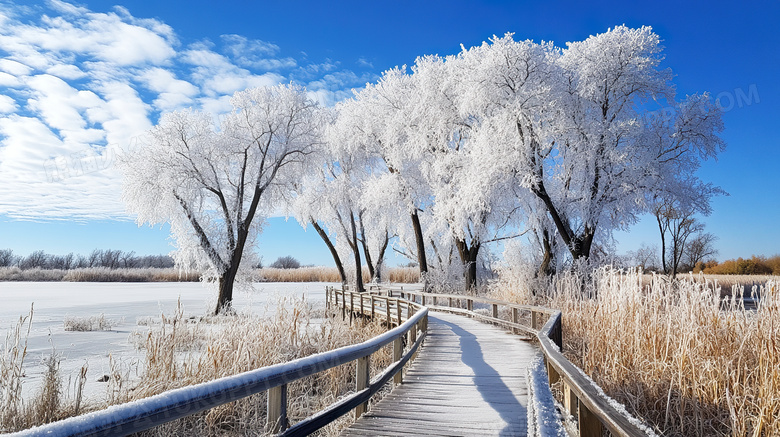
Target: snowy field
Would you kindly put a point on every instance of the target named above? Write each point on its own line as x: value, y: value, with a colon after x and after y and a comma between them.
x: 124, y: 305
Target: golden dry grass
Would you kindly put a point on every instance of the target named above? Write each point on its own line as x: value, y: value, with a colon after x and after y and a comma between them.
x: 407, y: 275
x: 302, y: 274
x: 673, y: 352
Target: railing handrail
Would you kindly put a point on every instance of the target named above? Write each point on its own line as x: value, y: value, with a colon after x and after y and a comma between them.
x: 582, y: 397
x: 174, y: 404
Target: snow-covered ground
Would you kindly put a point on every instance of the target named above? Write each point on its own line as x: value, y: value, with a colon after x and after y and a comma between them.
x: 124, y: 304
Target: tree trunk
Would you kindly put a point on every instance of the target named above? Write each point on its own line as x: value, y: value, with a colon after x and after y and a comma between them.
x: 545, y: 269
x: 332, y: 249
x: 663, y: 243
x: 366, y: 252
x: 356, y: 252
x: 378, y: 269
x: 418, y: 236
x: 225, y: 297
x: 468, y: 256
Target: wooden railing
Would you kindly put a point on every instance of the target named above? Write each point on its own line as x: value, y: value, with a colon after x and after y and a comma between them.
x: 410, y: 321
x: 582, y: 398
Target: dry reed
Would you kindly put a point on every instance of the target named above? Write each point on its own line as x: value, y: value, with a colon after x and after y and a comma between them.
x: 182, y: 351
x: 674, y: 352
x: 408, y: 275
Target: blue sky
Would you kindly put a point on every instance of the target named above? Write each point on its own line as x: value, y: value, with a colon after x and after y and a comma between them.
x: 79, y: 80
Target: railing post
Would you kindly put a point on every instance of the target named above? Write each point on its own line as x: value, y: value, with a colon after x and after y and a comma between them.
x: 552, y: 374
x: 450, y: 303
x: 589, y: 423
x: 495, y: 310
x: 515, y: 320
x: 398, y: 311
x: 569, y: 400
x: 361, y: 306
x: 435, y: 300
x: 470, y: 305
x: 277, y: 409
x: 398, y: 352
x: 387, y: 312
x: 533, y: 320
x: 422, y: 296
x: 362, y: 377
x: 343, y: 305
x: 351, y: 307
x: 373, y: 303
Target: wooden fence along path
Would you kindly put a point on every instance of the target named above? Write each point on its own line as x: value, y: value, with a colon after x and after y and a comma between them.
x: 469, y: 379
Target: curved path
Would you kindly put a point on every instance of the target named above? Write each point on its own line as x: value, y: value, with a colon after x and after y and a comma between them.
x: 469, y: 379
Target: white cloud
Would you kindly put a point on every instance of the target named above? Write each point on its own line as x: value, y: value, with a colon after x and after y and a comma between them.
x: 238, y: 45
x: 66, y: 71
x: 58, y: 103
x: 172, y: 93
x: 254, y: 53
x: 7, y: 104
x: 81, y: 85
x: 365, y: 63
x: 218, y: 76
x: 9, y: 81
x: 14, y: 68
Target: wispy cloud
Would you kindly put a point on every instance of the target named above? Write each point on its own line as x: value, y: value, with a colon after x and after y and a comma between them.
x: 79, y: 86
x: 365, y: 63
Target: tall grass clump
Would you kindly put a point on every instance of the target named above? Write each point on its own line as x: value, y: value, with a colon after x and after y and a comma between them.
x: 301, y: 274
x: 408, y: 275
x: 31, y: 275
x: 674, y: 352
x: 149, y: 274
x: 181, y: 352
x: 12, y: 359
x: 404, y: 275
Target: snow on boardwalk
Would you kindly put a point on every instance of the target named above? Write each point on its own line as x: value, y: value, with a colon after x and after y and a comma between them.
x: 469, y: 379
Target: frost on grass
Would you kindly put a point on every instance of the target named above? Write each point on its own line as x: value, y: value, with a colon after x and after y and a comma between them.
x: 92, y: 323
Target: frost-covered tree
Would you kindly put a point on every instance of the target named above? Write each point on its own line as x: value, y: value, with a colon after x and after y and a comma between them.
x: 216, y: 184
x: 571, y: 127
x: 380, y: 121
x: 469, y: 197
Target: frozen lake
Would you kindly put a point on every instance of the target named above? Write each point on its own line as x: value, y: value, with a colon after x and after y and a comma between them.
x: 124, y: 304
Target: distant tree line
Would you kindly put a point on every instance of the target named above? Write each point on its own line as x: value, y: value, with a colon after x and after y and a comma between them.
x: 108, y: 258
x: 755, y: 265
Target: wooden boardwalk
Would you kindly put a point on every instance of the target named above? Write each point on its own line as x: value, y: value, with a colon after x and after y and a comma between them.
x: 469, y: 379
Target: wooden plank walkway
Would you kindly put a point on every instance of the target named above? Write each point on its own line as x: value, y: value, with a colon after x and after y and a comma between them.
x: 469, y: 379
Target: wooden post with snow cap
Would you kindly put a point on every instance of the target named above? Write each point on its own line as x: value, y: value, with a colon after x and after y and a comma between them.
x: 351, y: 306
x: 343, y: 304
x: 362, y: 377
x: 277, y: 409
x: 398, y: 353
x: 515, y: 320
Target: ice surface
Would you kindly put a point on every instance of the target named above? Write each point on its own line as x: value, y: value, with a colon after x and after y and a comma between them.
x: 124, y: 303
